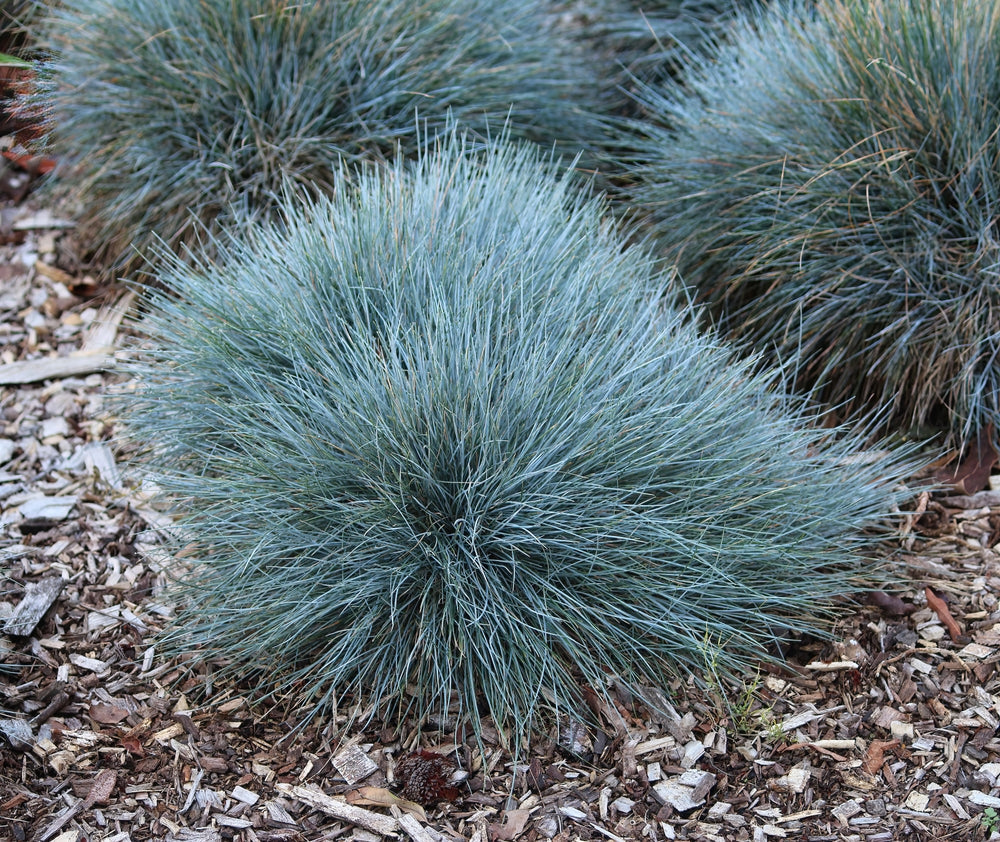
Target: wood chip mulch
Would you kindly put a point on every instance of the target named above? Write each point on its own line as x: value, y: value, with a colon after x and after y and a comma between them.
x: 889, y: 733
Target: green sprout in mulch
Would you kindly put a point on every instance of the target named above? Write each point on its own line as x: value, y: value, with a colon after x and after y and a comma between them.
x: 438, y: 440
x: 171, y: 113
x: 830, y: 185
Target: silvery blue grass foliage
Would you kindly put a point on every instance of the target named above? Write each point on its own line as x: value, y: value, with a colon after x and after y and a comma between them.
x: 438, y: 439
x: 830, y: 184
x: 176, y: 113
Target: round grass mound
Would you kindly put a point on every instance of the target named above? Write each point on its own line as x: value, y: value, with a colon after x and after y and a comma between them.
x: 438, y: 438
x: 830, y: 186
x: 171, y: 112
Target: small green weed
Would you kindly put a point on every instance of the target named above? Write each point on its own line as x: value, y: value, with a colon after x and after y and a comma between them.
x: 734, y: 703
x: 742, y: 707
x: 775, y: 733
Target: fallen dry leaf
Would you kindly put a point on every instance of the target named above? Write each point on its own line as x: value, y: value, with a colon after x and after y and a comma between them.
x: 890, y: 604
x: 875, y: 756
x: 377, y: 796
x: 513, y: 825
x: 973, y: 472
x: 33, y: 164
x: 133, y: 745
x: 941, y: 609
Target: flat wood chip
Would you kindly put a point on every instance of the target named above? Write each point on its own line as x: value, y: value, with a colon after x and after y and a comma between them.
x: 38, y: 598
x: 51, y: 368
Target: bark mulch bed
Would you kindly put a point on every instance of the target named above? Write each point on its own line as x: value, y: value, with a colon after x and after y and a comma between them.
x: 889, y: 733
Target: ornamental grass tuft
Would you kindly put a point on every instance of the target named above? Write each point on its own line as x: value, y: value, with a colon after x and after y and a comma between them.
x: 173, y: 114
x: 438, y: 440
x: 829, y: 183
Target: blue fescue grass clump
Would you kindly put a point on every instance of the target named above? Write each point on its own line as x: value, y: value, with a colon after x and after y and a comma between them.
x: 175, y: 112
x: 438, y: 439
x: 830, y: 185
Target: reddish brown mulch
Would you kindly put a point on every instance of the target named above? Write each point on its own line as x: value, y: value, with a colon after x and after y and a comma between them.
x: 888, y: 734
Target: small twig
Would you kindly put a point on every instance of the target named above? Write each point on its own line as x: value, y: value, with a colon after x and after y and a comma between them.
x: 817, y: 748
x: 60, y: 821
x: 316, y: 798
x: 412, y: 827
x: 195, y: 781
x: 57, y: 704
